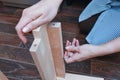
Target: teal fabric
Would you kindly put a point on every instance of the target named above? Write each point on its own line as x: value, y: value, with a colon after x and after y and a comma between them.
x: 94, y: 7
x: 107, y: 27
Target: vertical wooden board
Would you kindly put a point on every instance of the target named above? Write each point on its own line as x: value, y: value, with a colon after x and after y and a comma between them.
x: 58, y: 78
x: 2, y: 76
x: 55, y: 38
x: 37, y: 33
x: 69, y: 76
x: 42, y: 56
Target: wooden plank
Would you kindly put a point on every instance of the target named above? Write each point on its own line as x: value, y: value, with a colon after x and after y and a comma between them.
x: 2, y: 76
x: 59, y: 78
x: 41, y: 53
x: 79, y: 77
x: 56, y: 44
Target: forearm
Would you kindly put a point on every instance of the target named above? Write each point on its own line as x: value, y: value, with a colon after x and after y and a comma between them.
x: 109, y: 48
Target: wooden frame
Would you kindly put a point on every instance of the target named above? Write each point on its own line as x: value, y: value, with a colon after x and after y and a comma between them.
x: 2, y: 76
x: 47, y: 53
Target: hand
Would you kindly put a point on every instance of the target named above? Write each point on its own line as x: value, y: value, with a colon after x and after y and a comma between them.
x: 74, y: 52
x: 36, y: 15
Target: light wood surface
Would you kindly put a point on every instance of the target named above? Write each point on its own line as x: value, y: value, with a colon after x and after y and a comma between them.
x: 41, y: 53
x: 80, y: 77
x: 69, y: 76
x: 2, y: 76
x: 56, y: 44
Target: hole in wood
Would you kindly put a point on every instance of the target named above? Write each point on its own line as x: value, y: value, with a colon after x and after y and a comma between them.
x: 53, y: 24
x: 35, y: 45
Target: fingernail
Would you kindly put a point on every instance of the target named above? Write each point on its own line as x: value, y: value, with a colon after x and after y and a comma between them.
x: 74, y: 38
x: 66, y: 47
x: 25, y: 30
x: 67, y: 41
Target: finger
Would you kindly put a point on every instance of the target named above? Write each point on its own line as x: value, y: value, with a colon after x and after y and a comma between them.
x: 72, y: 48
x: 70, y: 43
x: 34, y: 24
x: 66, y: 55
x: 23, y: 21
x: 21, y: 36
x: 19, y: 27
x: 70, y: 54
x: 70, y: 57
x: 77, y: 43
x: 74, y: 42
x: 69, y: 60
x: 67, y: 43
x: 78, y: 57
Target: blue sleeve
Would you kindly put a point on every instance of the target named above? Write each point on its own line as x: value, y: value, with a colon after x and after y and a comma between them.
x: 94, y: 7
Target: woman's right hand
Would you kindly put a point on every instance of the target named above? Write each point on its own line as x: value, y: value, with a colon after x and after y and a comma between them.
x: 36, y: 15
x: 76, y: 52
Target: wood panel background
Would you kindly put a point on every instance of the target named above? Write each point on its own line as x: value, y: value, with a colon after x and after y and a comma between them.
x: 16, y: 62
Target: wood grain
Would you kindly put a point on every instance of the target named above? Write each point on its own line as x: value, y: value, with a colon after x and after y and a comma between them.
x: 2, y: 76
x: 56, y: 44
x: 42, y: 55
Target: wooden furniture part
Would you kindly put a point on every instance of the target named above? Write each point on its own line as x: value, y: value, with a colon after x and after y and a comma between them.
x: 2, y: 76
x: 47, y: 53
x: 42, y: 55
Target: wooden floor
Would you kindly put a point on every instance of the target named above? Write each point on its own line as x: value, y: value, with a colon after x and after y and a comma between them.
x: 15, y: 59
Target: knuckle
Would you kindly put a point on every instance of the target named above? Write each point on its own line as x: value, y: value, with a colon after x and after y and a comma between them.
x: 33, y: 24
x: 25, y: 12
x: 46, y: 20
x: 17, y: 29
